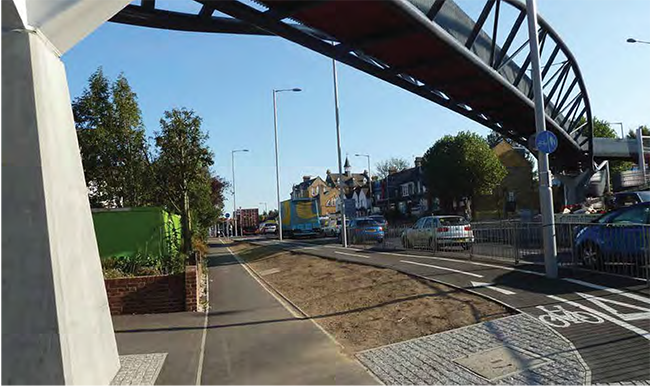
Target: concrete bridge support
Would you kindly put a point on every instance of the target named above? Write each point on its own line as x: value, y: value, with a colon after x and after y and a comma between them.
x: 56, y: 325
x: 575, y: 186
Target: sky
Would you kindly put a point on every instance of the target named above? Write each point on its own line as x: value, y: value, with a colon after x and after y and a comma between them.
x: 228, y: 80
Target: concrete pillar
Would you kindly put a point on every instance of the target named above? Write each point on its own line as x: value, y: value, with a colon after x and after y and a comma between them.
x: 56, y: 324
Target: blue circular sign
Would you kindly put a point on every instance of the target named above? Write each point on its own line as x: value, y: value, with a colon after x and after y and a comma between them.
x: 546, y: 142
x: 227, y: 215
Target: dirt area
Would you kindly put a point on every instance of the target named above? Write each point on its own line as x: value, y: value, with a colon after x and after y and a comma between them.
x: 365, y: 307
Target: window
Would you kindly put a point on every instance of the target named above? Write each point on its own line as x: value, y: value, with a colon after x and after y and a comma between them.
x: 405, y: 190
x: 632, y: 215
x: 419, y: 223
x: 428, y: 223
x: 511, y: 196
x: 410, y: 189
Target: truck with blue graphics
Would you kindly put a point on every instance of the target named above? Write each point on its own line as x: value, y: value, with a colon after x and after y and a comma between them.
x: 300, y: 218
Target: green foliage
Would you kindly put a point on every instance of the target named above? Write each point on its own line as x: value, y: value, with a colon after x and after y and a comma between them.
x: 494, y: 138
x: 644, y: 129
x: 383, y: 168
x: 461, y: 166
x: 603, y: 129
x: 112, y: 142
x: 182, y: 169
x: 139, y: 265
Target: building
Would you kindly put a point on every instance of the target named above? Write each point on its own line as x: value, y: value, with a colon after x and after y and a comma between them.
x: 404, y: 191
x: 317, y: 188
x: 356, y: 187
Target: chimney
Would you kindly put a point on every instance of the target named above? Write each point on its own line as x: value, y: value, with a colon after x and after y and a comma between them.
x: 306, y: 178
x: 418, y: 162
x: 392, y: 170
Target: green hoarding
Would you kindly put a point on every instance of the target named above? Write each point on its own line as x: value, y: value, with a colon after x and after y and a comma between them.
x: 126, y: 232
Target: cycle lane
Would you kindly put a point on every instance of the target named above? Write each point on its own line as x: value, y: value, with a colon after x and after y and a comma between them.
x: 608, y: 327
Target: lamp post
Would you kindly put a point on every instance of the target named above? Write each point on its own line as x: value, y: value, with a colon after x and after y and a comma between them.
x: 369, y: 177
x: 277, y: 159
x: 234, y: 197
x: 545, y: 192
x: 632, y: 40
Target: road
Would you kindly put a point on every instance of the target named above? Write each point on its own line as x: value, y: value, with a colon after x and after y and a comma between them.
x: 607, y: 318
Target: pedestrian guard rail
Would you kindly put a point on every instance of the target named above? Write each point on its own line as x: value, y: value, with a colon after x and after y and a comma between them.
x: 622, y: 249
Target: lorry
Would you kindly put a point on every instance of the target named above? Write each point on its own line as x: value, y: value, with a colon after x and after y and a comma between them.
x: 300, y: 217
x: 249, y: 219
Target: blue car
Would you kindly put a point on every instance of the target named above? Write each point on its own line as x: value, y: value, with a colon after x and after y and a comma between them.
x: 363, y: 230
x: 618, y: 237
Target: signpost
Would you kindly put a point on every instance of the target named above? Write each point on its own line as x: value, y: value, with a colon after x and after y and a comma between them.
x: 546, y: 142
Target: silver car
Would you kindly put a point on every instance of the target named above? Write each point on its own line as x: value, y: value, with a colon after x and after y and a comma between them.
x: 431, y: 232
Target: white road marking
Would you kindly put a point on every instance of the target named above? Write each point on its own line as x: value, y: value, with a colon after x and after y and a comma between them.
x: 491, y: 286
x: 607, y: 317
x: 467, y: 262
x: 444, y: 268
x: 606, y: 304
x: 619, y: 292
x: 290, y: 309
x: 351, y: 255
x: 269, y: 271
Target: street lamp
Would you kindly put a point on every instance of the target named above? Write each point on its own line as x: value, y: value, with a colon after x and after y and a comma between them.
x: 632, y: 40
x: 234, y: 198
x: 369, y: 177
x: 277, y: 160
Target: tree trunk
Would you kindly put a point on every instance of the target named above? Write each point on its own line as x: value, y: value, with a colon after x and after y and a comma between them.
x: 185, y: 220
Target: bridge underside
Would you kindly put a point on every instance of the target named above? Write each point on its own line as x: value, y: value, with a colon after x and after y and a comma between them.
x: 429, y: 47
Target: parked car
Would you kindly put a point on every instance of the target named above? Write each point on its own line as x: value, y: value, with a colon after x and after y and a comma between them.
x: 380, y: 219
x: 332, y: 228
x: 362, y: 230
x: 626, y: 199
x: 434, y: 231
x: 620, y: 236
x: 268, y: 228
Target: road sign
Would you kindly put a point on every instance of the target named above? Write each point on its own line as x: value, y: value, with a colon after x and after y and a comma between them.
x: 546, y: 142
x: 227, y: 215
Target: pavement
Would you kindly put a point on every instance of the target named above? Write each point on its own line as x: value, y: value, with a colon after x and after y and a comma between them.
x: 247, y: 337
x: 605, y: 318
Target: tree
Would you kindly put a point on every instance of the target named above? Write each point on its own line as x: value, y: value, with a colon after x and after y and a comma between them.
x: 461, y: 166
x: 182, y: 166
x: 383, y: 168
x: 494, y: 138
x: 644, y: 128
x: 112, y: 142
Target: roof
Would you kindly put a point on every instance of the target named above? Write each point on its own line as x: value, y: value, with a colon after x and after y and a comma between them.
x: 405, y: 176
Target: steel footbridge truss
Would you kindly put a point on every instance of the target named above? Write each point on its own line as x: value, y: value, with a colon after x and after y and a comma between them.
x: 476, y: 67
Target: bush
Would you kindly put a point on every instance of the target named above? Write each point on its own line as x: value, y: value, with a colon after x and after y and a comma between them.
x: 141, y: 265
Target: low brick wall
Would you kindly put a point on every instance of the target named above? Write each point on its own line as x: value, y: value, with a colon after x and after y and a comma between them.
x: 153, y: 294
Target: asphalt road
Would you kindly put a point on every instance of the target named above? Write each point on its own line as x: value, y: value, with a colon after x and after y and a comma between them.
x: 607, y: 318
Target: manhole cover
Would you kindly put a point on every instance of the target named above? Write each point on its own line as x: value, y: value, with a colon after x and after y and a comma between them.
x: 498, y: 362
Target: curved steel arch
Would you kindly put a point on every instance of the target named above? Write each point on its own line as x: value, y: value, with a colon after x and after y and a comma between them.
x: 429, y: 47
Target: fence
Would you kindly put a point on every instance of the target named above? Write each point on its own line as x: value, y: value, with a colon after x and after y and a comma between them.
x: 622, y: 249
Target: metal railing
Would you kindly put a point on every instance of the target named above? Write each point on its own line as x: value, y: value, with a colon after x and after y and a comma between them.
x: 622, y: 249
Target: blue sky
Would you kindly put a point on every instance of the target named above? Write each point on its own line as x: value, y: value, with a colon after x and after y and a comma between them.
x: 228, y: 80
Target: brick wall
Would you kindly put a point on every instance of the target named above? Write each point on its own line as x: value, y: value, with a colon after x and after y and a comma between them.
x: 153, y: 294
x: 191, y: 288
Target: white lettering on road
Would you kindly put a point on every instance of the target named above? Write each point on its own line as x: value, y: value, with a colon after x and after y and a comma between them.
x: 444, y: 268
x: 351, y: 255
x: 492, y: 287
x: 467, y: 262
x: 622, y: 324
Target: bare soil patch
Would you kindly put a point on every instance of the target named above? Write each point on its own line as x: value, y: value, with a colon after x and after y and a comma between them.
x: 365, y: 307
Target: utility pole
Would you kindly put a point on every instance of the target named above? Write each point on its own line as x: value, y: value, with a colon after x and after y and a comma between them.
x: 545, y: 191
